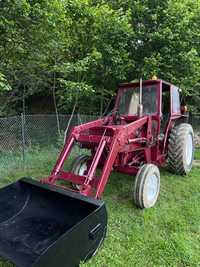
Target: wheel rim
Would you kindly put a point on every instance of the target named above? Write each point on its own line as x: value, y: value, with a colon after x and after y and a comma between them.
x: 152, y: 187
x: 82, y: 169
x: 189, y: 149
x: 81, y: 172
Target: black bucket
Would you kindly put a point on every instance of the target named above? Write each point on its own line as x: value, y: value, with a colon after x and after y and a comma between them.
x: 46, y: 226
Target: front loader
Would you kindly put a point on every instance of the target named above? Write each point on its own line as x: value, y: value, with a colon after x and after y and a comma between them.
x: 62, y: 220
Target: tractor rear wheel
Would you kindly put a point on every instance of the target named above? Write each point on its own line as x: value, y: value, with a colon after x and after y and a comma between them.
x: 147, y: 186
x: 79, y: 167
x: 181, y: 149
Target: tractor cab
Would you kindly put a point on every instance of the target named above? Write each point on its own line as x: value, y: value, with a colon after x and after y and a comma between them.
x: 159, y: 99
x: 136, y: 100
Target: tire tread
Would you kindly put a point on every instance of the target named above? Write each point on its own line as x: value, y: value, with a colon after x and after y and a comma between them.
x: 176, y: 148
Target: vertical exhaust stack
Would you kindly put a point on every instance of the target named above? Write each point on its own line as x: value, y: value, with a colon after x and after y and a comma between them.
x: 140, y: 105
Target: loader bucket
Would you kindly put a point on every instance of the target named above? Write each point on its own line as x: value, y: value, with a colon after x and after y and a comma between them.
x: 46, y: 226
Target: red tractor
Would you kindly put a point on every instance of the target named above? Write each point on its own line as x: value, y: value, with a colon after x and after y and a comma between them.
x: 147, y: 129
x: 46, y: 223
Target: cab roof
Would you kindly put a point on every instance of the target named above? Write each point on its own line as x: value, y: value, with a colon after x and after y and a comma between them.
x: 145, y: 82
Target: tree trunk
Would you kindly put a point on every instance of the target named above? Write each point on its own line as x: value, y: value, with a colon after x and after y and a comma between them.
x: 55, y: 104
x: 69, y: 122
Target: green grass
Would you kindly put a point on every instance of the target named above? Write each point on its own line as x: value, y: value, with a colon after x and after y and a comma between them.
x: 197, y: 154
x: 166, y: 235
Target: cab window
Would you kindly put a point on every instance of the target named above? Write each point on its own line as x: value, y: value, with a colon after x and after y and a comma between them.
x: 129, y: 100
x: 175, y: 100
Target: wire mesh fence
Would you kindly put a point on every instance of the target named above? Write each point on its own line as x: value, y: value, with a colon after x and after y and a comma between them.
x: 20, y: 135
x: 194, y: 120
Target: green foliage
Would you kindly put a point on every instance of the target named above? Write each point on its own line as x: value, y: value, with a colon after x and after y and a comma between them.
x: 89, y: 46
x: 4, y: 85
x: 197, y: 154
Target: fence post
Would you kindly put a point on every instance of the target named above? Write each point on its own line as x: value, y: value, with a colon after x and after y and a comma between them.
x: 68, y: 124
x: 23, y: 138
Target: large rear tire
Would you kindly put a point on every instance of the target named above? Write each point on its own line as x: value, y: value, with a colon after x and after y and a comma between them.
x: 181, y: 149
x: 147, y: 186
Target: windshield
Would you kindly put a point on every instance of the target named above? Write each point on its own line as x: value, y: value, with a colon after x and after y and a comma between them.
x: 129, y: 100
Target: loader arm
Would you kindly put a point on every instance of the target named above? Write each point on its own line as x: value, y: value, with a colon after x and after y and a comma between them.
x: 69, y: 143
x: 92, y: 185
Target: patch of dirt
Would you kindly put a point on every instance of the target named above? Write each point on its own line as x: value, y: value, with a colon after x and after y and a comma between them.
x: 122, y: 197
x: 196, y: 163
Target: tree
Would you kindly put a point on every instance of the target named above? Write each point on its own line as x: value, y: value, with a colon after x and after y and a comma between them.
x: 113, y: 33
x: 77, y: 51
x: 167, y: 40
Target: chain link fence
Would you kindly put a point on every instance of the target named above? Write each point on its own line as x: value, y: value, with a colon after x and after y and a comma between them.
x: 194, y: 120
x: 35, y: 129
x: 21, y: 135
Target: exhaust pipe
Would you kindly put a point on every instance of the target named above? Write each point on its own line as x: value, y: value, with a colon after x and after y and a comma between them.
x: 140, y: 105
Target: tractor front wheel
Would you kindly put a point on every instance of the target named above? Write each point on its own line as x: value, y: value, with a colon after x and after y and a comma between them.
x: 147, y: 186
x: 181, y: 149
x: 79, y: 167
